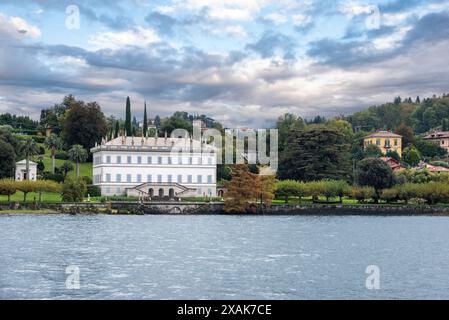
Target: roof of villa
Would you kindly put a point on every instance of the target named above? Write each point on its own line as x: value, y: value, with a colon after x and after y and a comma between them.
x: 151, y: 144
x: 384, y: 134
x: 437, y: 135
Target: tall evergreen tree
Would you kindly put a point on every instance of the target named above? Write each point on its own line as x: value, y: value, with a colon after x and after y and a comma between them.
x: 117, y: 129
x: 145, y: 120
x: 418, y: 100
x: 128, y: 127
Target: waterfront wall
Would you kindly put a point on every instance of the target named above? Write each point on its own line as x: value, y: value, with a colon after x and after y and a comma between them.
x: 186, y: 208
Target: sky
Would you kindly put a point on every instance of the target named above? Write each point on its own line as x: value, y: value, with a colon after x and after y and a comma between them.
x: 242, y: 62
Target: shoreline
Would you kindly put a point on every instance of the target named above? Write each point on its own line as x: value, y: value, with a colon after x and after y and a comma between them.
x: 165, y: 208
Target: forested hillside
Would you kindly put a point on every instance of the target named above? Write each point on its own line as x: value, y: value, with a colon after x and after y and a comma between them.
x: 421, y: 116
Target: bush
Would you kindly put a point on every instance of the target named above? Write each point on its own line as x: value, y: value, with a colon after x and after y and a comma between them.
x: 38, y: 139
x: 57, y: 177
x: 73, y: 190
x: 40, y: 165
x: 87, y: 180
x: 335, y: 188
x: 61, y: 155
x: 93, y: 191
x: 41, y: 150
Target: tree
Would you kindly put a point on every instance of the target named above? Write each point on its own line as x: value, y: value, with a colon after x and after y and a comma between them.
x: 372, y: 172
x: 78, y: 154
x: 408, y: 137
x: 26, y: 186
x: 242, y: 191
x: 117, y: 129
x: 372, y: 151
x: 73, y: 190
x: 8, y: 187
x: 176, y: 121
x: 84, y: 124
x: 47, y: 186
x: 128, y: 127
x: 53, y: 142
x: 315, y: 154
x: 289, y: 188
x: 157, y: 122
x: 7, y: 160
x: 267, y: 188
x: 145, y: 121
x: 418, y: 100
x: 429, y: 149
x: 411, y: 156
x: 66, y: 167
x: 286, y: 124
x: 29, y: 148
x: 394, y: 155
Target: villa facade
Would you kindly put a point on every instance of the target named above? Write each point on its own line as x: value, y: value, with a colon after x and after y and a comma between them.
x: 385, y: 141
x: 440, y: 138
x: 156, y: 168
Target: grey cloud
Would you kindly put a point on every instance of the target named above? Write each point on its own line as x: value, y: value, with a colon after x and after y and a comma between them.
x: 270, y: 41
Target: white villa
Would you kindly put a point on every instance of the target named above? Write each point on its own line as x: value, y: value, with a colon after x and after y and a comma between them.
x: 155, y: 168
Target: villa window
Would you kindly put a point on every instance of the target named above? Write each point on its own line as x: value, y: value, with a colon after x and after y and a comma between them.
x: 189, y: 178
x: 149, y: 160
x: 128, y: 178
x: 395, y: 142
x: 200, y: 161
x: 169, y: 178
x: 119, y: 190
x: 387, y: 143
x: 159, y: 160
x: 190, y: 160
x: 179, y: 160
x: 169, y: 160
x: 108, y: 190
x: 209, y: 160
x: 209, y: 179
x: 180, y: 178
x: 108, y: 159
x: 149, y: 178
x: 108, y: 177
x: 442, y: 142
x: 119, y: 159
x: 378, y: 142
x: 139, y: 159
x: 139, y: 178
x: 129, y: 159
x: 119, y: 178
x: 159, y: 178
x: 200, y: 179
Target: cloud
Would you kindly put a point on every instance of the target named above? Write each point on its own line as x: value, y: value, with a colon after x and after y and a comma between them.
x: 272, y: 43
x: 17, y: 28
x: 137, y: 37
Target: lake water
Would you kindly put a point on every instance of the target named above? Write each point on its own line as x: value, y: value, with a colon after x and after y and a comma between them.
x: 223, y: 257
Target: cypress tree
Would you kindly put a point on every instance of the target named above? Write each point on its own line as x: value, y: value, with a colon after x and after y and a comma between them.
x: 117, y: 128
x: 145, y: 120
x: 418, y: 100
x: 128, y: 127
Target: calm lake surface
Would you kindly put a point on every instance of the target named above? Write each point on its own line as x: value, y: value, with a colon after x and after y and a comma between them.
x: 223, y: 257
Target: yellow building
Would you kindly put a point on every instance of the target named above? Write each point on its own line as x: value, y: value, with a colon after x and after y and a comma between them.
x: 386, y: 141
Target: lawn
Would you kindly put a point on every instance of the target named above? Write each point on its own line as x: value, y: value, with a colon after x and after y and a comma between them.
x: 18, y: 197
x: 85, y: 168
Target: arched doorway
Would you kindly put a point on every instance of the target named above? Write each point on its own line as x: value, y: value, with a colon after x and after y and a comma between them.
x: 151, y: 192
x: 171, y: 193
x: 220, y: 193
x: 161, y: 193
